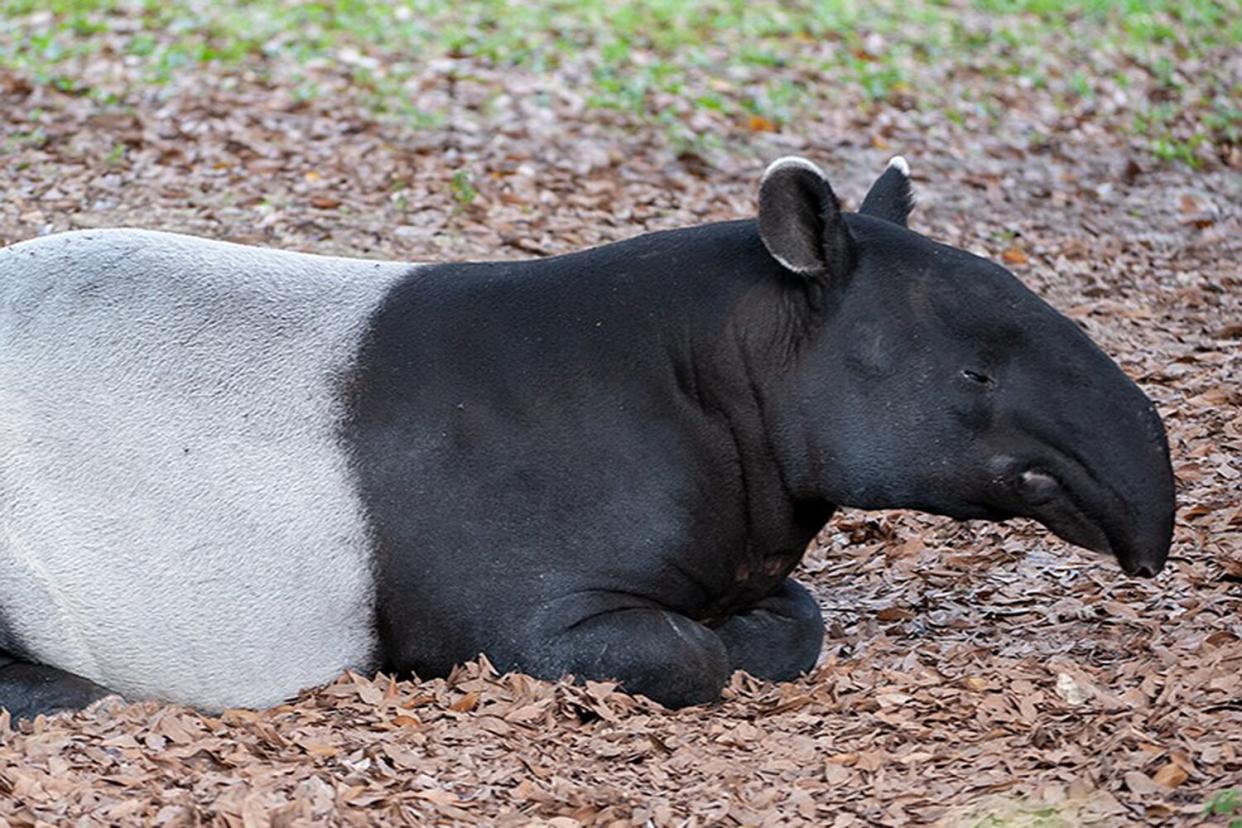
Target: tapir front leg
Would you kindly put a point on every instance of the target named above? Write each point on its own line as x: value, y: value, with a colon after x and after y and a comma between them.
x: 779, y: 638
x: 660, y: 654
x: 26, y: 689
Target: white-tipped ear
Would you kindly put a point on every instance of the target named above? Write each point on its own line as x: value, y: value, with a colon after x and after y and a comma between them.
x: 800, y: 220
x: 890, y: 197
x: 790, y: 161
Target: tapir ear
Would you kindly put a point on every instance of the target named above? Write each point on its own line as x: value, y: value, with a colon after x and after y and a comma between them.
x: 890, y: 196
x: 800, y: 220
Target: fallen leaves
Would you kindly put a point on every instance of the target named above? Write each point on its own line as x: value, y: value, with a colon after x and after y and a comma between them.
x: 1014, y: 255
x: 338, y: 751
x: 325, y: 202
x: 1171, y: 775
x: 466, y: 703
x: 1071, y: 691
x: 758, y: 123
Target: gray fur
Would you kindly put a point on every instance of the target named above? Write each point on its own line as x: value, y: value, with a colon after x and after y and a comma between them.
x: 177, y: 517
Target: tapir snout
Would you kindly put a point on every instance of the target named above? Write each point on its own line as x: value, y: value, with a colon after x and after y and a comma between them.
x: 1090, y: 457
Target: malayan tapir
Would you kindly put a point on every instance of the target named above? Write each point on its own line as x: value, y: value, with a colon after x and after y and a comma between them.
x: 229, y: 473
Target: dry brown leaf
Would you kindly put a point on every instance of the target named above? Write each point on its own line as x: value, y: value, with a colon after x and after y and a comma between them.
x: 439, y: 797
x: 1171, y: 775
x: 758, y: 123
x: 1014, y: 255
x: 466, y: 703
x: 1139, y: 783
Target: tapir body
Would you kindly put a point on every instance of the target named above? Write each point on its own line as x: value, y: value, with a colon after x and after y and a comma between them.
x: 228, y: 473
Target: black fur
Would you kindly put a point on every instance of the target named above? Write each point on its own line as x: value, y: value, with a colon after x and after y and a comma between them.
x: 26, y: 690
x: 10, y: 645
x: 561, y: 454
x: 800, y: 222
x: 890, y: 197
x: 608, y: 463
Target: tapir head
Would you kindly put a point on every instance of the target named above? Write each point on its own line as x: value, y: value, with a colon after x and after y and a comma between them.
x: 933, y: 379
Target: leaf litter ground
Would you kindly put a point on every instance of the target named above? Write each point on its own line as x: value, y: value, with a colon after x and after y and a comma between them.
x: 973, y: 673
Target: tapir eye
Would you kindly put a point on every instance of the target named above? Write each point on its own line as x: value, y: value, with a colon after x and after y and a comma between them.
x: 975, y: 376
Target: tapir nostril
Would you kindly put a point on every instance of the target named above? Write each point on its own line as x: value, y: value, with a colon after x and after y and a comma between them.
x: 1039, y: 486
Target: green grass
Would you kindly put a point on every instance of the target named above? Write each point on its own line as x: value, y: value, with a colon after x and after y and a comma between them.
x: 1226, y: 803
x: 464, y: 192
x: 659, y: 61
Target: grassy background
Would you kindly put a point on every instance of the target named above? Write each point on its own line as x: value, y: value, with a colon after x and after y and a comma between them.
x: 1158, y: 71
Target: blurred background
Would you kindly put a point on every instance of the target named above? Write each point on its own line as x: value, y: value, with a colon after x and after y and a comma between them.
x: 412, y: 120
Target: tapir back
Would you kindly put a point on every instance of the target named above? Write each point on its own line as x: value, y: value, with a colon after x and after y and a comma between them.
x: 177, y: 515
